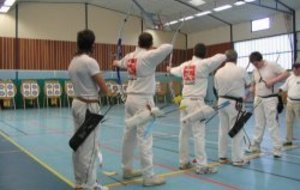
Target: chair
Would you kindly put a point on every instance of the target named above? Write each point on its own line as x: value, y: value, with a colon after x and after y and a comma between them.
x: 30, y: 91
x: 53, y: 92
x: 8, y: 92
x: 69, y: 91
x: 161, y: 91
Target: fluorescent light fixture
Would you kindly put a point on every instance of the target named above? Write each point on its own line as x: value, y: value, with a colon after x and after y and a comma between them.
x: 239, y: 3
x: 171, y: 22
x: 187, y: 18
x: 260, y: 24
x: 249, y: 1
x: 221, y: 8
x: 203, y: 13
x: 197, y: 2
x: 6, y: 6
x: 9, y: 3
x: 4, y: 9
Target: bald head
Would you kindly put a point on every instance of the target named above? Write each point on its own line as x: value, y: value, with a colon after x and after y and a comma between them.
x: 231, y: 55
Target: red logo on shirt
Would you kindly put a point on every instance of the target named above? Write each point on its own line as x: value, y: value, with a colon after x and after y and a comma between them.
x: 131, y: 67
x: 189, y: 74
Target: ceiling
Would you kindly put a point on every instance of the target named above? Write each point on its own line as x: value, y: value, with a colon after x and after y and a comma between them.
x: 164, y: 11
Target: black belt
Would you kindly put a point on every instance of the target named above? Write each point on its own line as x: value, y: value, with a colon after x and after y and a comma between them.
x: 238, y: 99
x: 269, y: 96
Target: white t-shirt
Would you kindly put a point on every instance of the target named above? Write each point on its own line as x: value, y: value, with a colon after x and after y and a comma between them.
x: 141, y: 65
x: 81, y: 70
x: 231, y: 80
x: 194, y: 74
x: 267, y: 72
x: 292, y: 86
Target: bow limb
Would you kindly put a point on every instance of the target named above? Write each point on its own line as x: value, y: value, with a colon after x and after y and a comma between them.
x: 119, y: 53
x: 170, y: 84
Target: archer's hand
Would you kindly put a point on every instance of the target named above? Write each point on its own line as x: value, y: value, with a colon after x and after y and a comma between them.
x: 168, y: 69
x: 116, y: 63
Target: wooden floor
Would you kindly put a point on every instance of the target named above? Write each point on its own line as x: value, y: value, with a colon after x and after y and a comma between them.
x: 34, y: 154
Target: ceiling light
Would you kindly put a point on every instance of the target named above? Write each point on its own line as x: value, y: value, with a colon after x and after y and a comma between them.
x: 4, y: 9
x: 203, y: 13
x: 197, y: 2
x: 9, y: 3
x: 239, y: 3
x: 187, y: 18
x: 221, y: 8
x: 249, y: 1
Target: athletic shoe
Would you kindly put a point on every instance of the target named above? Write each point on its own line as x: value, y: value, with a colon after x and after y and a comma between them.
x: 129, y: 173
x: 186, y: 166
x: 153, y: 181
x: 287, y: 144
x: 100, y: 187
x: 277, y: 152
x: 206, y: 170
x: 241, y: 163
x: 255, y: 149
x: 223, y: 160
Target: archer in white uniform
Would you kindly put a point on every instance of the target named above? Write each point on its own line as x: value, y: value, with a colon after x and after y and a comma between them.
x: 194, y: 74
x: 85, y: 74
x: 141, y: 65
x: 292, y: 86
x: 265, y: 76
x: 230, y: 82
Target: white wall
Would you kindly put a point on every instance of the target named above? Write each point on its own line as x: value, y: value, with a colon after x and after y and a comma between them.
x: 209, y: 37
x: 107, y: 24
x: 7, y: 24
x: 50, y: 21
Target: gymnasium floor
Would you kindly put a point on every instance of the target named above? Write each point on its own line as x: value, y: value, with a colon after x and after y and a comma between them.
x: 34, y: 155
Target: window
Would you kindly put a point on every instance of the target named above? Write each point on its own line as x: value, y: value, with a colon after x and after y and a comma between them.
x: 261, y: 24
x: 278, y: 49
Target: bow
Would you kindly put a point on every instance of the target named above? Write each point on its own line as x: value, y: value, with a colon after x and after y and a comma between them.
x: 173, y: 97
x: 119, y: 54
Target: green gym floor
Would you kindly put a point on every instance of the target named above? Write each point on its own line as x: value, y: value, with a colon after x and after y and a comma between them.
x: 34, y: 155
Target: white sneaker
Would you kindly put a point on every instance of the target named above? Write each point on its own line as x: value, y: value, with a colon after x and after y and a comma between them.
x: 100, y: 187
x: 130, y: 173
x: 153, y: 181
x: 277, y: 152
x: 241, y: 163
x: 255, y: 148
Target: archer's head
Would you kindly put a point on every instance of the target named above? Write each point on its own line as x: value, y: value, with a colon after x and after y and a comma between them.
x: 85, y: 41
x: 145, y: 40
x: 200, y: 50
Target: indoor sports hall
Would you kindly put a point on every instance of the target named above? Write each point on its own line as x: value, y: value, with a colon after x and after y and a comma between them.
x: 38, y: 39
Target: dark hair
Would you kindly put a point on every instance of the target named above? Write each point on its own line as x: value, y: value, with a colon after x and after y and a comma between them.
x: 200, y: 50
x: 145, y: 40
x: 85, y: 40
x: 255, y: 56
x: 231, y: 55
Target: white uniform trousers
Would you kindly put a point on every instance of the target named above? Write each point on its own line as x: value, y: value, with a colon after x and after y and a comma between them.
x: 197, y: 129
x: 84, y: 159
x: 292, y: 113
x: 135, y: 136
x: 227, y: 117
x: 265, y: 112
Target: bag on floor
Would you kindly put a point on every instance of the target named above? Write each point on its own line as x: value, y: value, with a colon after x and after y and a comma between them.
x: 280, y: 104
x: 239, y: 124
x: 90, y: 123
